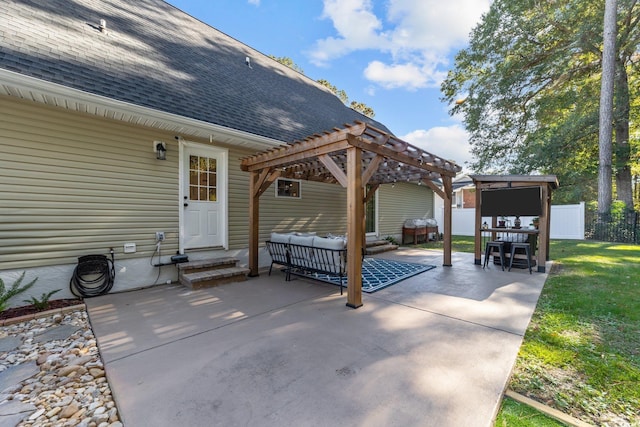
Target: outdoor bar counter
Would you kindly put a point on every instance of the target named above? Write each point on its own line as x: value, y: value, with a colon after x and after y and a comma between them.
x: 510, y: 235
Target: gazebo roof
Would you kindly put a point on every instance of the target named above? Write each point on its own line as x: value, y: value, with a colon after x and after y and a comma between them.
x: 506, y: 181
x: 322, y: 157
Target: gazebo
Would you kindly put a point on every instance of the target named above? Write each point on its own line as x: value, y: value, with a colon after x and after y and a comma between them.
x: 353, y: 157
x: 514, y: 195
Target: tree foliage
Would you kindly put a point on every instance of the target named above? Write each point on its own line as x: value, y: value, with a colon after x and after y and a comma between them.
x: 362, y: 108
x: 337, y: 92
x: 284, y: 60
x: 341, y: 94
x: 531, y: 83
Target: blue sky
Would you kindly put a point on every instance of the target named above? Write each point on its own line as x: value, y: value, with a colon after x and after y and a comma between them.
x: 389, y: 54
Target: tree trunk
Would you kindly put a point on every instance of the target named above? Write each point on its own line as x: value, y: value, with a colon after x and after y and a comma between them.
x: 606, y: 108
x: 624, y: 187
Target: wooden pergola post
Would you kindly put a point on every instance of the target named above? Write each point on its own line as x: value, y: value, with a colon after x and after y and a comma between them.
x: 355, y: 213
x: 254, y: 223
x: 448, y: 193
x: 477, y: 258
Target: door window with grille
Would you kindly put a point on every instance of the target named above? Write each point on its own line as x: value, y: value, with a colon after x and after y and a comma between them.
x: 203, y: 179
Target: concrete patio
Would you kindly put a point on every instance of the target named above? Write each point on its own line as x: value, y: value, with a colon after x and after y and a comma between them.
x: 436, y: 349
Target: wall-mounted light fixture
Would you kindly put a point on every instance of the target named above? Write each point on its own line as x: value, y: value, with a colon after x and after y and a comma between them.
x: 160, y: 148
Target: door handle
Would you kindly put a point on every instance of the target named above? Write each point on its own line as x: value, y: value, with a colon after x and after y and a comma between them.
x: 185, y: 204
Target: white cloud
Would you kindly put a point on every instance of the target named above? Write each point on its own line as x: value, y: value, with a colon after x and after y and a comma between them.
x: 434, y: 25
x: 255, y: 2
x: 450, y: 143
x: 356, y: 26
x: 414, y: 38
x: 393, y: 76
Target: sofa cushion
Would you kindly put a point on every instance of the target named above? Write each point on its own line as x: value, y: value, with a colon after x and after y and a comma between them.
x: 280, y: 237
x: 328, y: 243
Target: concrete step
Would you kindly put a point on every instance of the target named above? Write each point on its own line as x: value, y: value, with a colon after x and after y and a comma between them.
x: 215, y: 277
x: 380, y: 248
x: 206, y: 264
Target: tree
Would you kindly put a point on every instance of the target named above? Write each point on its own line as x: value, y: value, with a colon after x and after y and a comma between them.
x: 341, y: 94
x: 606, y: 107
x: 531, y: 77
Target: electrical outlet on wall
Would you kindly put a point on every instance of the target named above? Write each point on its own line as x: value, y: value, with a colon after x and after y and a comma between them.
x: 159, y: 236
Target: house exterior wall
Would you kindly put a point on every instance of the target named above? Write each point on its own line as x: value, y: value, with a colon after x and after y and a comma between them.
x: 322, y: 209
x: 399, y: 202
x: 74, y: 184
x: 468, y: 198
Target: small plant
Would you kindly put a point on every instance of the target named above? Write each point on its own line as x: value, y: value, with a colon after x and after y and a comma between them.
x: 43, y: 302
x: 392, y: 240
x: 7, y: 294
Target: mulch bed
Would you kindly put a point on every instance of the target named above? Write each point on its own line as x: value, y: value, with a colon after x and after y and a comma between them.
x: 31, y: 309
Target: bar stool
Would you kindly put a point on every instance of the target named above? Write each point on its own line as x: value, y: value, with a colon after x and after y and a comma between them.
x: 527, y: 251
x: 494, y: 244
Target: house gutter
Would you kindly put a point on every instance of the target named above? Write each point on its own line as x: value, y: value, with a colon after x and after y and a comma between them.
x: 42, y: 91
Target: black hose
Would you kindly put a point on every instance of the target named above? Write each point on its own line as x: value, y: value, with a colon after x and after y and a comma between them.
x: 93, y: 276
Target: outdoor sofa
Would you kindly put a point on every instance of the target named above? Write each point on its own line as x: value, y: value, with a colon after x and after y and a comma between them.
x: 304, y: 254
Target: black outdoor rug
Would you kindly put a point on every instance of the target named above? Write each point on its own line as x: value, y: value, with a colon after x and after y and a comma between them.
x: 376, y: 273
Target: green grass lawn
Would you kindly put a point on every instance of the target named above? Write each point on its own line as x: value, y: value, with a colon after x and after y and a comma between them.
x: 581, y: 352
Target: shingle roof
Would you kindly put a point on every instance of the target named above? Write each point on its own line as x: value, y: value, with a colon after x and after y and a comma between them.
x: 154, y: 55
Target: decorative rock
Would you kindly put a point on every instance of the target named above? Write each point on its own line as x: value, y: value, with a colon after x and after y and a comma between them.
x: 66, y: 370
x: 52, y: 366
x: 36, y: 414
x: 55, y: 411
x: 68, y: 411
x: 96, y: 373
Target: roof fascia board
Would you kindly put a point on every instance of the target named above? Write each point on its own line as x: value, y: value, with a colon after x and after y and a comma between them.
x: 190, y: 126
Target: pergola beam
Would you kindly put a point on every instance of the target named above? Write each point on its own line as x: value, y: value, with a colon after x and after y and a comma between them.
x: 398, y: 156
x: 335, y: 170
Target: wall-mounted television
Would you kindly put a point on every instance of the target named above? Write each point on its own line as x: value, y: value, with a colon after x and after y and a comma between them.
x: 511, y: 202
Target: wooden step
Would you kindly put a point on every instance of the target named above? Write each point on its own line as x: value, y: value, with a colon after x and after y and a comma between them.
x: 372, y: 243
x: 206, y: 264
x: 215, y: 277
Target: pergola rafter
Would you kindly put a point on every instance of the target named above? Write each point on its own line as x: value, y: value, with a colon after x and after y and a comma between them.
x: 353, y: 157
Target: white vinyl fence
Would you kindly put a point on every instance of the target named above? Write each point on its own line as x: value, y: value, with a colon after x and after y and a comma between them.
x: 567, y: 221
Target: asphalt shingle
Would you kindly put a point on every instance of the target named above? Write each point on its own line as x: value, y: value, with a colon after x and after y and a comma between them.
x: 157, y: 56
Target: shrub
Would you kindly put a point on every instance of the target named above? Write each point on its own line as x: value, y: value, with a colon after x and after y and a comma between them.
x: 7, y: 294
x: 43, y: 302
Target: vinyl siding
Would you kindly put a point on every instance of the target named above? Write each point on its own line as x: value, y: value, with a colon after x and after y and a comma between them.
x: 72, y: 184
x: 322, y: 208
x: 401, y: 202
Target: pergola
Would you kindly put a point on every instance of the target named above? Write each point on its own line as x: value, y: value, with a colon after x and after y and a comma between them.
x: 546, y: 184
x: 353, y: 157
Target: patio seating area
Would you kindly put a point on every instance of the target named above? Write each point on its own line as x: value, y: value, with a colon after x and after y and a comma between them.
x: 434, y: 349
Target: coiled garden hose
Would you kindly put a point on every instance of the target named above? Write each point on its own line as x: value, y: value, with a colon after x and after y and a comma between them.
x: 93, y: 276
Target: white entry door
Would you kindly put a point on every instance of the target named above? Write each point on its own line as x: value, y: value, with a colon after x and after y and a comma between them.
x: 204, y: 197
